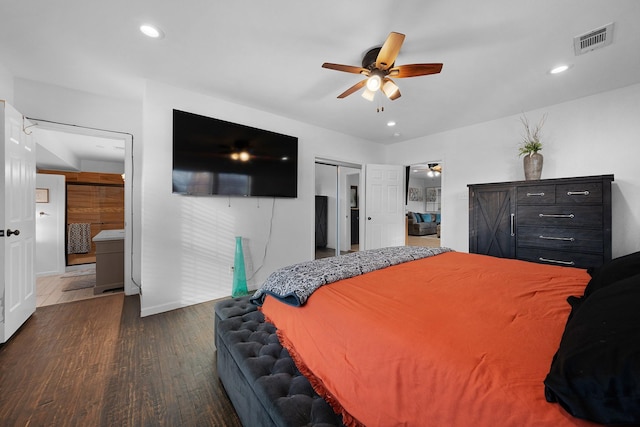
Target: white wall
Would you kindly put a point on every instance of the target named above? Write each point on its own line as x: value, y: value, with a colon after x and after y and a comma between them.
x: 595, y: 135
x: 104, y: 167
x: 6, y: 85
x: 50, y: 228
x: 188, y: 242
x: 58, y: 104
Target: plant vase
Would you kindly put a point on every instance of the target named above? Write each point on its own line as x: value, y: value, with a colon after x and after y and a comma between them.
x: 239, y: 276
x: 533, y: 166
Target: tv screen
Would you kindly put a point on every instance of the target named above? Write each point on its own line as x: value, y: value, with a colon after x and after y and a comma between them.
x: 216, y: 157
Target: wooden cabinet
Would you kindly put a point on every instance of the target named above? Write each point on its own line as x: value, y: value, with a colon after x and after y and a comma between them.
x: 109, y: 260
x: 565, y: 221
x: 491, y: 220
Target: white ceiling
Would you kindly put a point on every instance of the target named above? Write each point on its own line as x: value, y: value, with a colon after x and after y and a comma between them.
x: 268, y: 55
x: 62, y: 150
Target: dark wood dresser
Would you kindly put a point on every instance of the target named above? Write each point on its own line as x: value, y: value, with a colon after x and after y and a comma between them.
x: 564, y: 221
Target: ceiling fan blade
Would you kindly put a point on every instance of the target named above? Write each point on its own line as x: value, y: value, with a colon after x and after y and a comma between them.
x: 390, y: 89
x: 352, y: 89
x: 414, y: 70
x: 389, y: 51
x: 346, y: 68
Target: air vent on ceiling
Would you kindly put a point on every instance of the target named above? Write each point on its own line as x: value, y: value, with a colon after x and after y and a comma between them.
x: 595, y: 39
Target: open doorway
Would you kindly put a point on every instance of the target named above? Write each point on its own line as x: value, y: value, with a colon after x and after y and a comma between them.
x: 337, y: 208
x: 75, y: 151
x: 423, y: 204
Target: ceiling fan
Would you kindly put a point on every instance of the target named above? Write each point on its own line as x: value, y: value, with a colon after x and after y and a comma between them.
x: 378, y: 65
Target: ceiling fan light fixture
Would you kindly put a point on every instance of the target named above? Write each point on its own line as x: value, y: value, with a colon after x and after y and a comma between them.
x: 374, y: 82
x: 368, y: 95
x: 435, y: 169
x: 242, y: 156
x: 390, y: 88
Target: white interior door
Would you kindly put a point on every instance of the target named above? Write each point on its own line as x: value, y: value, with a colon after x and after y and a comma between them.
x: 384, y: 225
x: 17, y: 210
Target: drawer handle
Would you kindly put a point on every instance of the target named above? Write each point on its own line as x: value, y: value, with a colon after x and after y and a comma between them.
x: 565, y: 239
x: 555, y: 261
x: 535, y: 194
x: 578, y: 193
x: 556, y: 215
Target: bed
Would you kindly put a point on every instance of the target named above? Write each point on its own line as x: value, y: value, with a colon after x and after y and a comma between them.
x: 406, y: 336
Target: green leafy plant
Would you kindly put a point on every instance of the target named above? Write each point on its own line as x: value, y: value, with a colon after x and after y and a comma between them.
x: 531, y: 139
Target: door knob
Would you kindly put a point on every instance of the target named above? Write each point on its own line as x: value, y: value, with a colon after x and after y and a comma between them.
x: 368, y: 218
x: 10, y: 232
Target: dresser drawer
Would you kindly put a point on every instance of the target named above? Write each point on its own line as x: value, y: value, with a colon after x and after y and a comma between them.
x: 570, y: 239
x: 567, y: 259
x: 580, y: 193
x: 560, y: 216
x: 537, y: 194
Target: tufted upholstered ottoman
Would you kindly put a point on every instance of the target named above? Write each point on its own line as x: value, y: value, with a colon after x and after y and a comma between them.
x: 258, y: 374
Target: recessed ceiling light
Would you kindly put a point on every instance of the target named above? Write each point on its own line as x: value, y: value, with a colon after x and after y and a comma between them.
x: 559, y: 69
x: 151, y: 31
x: 391, y: 123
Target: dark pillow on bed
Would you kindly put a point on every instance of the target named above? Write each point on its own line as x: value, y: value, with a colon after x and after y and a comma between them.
x: 595, y: 374
x: 613, y: 271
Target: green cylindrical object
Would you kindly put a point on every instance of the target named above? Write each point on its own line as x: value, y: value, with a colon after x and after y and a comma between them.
x: 239, y: 276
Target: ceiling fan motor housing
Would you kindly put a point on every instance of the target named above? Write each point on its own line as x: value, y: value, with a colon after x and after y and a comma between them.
x: 369, y: 59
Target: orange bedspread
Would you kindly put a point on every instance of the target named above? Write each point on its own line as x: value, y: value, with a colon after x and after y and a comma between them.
x: 453, y: 340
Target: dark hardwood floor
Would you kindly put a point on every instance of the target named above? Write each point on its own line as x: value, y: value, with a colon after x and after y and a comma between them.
x: 97, y: 363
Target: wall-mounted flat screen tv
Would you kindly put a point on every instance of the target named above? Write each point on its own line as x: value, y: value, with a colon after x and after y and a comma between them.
x: 216, y: 157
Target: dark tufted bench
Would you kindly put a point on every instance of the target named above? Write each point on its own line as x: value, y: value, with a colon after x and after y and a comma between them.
x: 258, y: 374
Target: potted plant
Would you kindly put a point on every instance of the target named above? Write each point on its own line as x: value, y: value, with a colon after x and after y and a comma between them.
x: 530, y: 148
